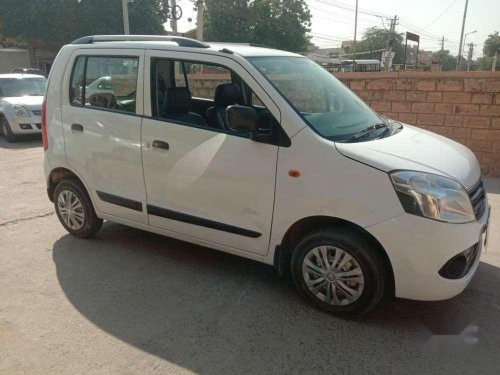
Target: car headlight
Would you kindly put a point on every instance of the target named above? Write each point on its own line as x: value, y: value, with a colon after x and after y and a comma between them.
x: 20, y: 111
x: 433, y: 196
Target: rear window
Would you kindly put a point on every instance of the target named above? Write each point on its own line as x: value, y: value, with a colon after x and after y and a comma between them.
x: 106, y: 82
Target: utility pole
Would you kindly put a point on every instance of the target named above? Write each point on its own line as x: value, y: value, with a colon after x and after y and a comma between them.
x: 442, y: 44
x: 459, y: 58
x: 173, y: 22
x: 469, y: 55
x: 494, y: 63
x: 390, y: 42
x: 355, y: 32
x: 126, y: 26
x: 199, y: 19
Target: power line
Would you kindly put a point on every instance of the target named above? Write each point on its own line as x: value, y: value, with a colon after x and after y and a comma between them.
x: 403, y: 22
x: 442, y: 14
x: 351, y: 8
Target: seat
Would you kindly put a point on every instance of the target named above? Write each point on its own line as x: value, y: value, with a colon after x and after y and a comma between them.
x: 177, y: 104
x: 225, y: 95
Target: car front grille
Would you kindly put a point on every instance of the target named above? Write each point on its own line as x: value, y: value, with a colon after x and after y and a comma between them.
x: 478, y: 199
x: 36, y: 112
x: 38, y: 125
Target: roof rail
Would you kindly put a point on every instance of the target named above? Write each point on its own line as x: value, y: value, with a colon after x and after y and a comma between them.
x: 181, y: 41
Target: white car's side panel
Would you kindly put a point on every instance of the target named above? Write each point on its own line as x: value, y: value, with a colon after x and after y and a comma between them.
x: 107, y: 153
x: 329, y: 185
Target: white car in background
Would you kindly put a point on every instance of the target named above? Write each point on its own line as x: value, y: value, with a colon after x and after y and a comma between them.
x: 21, y: 97
x: 100, y: 86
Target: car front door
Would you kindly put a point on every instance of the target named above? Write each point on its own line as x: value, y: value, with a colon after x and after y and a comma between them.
x: 204, y: 182
x: 102, y: 129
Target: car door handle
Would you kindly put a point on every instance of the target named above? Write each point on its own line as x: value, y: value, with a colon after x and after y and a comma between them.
x: 77, y: 127
x: 160, y: 144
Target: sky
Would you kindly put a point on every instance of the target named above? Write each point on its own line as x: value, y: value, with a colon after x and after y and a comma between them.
x: 431, y: 19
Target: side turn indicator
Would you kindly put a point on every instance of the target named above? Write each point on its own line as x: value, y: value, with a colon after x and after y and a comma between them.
x: 293, y: 173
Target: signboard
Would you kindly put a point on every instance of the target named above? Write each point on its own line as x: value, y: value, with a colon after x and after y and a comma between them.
x: 413, y: 37
x: 411, y: 53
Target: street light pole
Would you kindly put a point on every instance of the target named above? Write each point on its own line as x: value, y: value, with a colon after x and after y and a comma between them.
x: 459, y: 58
x: 126, y: 26
x: 355, y: 32
x: 465, y: 39
x: 199, y: 19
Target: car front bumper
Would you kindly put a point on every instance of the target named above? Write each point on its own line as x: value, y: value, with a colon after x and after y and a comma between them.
x: 418, y: 248
x: 32, y: 125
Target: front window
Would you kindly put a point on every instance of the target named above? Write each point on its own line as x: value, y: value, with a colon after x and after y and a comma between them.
x: 10, y: 87
x: 326, y: 105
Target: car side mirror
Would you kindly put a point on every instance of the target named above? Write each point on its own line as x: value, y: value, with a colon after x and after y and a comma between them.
x: 241, y: 119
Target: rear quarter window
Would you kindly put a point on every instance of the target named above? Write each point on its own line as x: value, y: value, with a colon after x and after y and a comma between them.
x: 105, y: 82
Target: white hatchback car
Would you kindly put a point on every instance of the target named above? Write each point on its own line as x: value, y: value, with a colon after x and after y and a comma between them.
x: 21, y: 97
x: 263, y: 154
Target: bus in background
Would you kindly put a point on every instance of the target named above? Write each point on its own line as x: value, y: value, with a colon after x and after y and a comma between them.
x: 347, y: 66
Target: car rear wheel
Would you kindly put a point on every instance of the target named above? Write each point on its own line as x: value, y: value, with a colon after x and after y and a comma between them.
x: 75, y: 210
x: 6, y: 130
x: 339, y: 271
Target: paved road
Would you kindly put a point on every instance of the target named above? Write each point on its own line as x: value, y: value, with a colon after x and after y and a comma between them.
x: 130, y: 302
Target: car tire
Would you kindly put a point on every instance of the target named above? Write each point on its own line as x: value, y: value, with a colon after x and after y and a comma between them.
x: 75, y: 210
x: 346, y: 290
x: 7, y: 131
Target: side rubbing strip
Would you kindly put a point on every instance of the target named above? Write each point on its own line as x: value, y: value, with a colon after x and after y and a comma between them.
x: 120, y: 201
x: 174, y: 215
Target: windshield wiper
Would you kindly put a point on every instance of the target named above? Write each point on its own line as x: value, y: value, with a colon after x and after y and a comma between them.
x: 366, y: 132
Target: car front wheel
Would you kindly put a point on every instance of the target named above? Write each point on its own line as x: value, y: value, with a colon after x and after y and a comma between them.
x: 6, y: 130
x: 339, y: 271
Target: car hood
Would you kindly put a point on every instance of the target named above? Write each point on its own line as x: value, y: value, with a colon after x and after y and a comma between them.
x: 417, y: 149
x: 30, y: 102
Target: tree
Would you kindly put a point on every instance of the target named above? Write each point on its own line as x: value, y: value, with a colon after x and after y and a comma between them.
x: 375, y: 38
x: 57, y: 22
x: 276, y: 23
x: 491, y: 45
x: 447, y: 61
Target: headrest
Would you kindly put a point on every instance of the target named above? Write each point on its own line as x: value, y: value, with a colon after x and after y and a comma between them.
x: 226, y: 94
x: 178, y: 100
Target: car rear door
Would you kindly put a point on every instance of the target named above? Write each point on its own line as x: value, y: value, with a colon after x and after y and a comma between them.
x: 102, y: 130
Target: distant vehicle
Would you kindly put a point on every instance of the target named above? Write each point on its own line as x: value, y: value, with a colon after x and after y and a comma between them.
x: 347, y: 66
x: 21, y: 97
x: 99, y: 86
x: 39, y: 72
x: 274, y: 160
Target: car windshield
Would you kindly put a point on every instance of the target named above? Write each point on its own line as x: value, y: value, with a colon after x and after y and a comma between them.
x: 325, y: 104
x: 10, y: 87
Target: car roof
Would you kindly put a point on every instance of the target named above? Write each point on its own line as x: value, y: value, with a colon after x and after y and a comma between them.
x: 178, y: 43
x: 20, y: 75
x: 249, y: 50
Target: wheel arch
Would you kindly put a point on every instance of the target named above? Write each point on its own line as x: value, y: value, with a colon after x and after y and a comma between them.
x: 304, y: 226
x: 57, y: 175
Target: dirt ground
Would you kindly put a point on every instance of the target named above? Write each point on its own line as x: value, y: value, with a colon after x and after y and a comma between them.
x: 131, y: 302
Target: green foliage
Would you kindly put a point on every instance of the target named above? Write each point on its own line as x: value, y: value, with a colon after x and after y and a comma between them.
x: 375, y: 38
x: 276, y: 23
x: 447, y: 61
x: 492, y: 45
x: 56, y: 22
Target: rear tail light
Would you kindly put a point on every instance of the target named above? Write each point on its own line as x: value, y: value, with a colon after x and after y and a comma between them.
x: 44, y: 126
